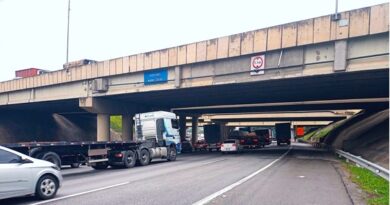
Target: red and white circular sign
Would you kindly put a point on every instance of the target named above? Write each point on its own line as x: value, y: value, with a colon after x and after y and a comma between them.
x: 257, y: 65
x: 257, y: 62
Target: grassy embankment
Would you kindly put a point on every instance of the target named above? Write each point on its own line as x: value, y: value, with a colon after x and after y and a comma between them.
x: 317, y: 135
x: 116, y: 123
x: 377, y: 188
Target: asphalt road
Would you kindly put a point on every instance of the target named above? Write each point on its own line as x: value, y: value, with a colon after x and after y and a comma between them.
x: 274, y: 175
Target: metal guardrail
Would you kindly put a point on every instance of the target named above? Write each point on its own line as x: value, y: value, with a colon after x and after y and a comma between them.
x: 378, y: 170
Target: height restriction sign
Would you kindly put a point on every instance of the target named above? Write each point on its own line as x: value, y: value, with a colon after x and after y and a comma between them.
x: 257, y: 65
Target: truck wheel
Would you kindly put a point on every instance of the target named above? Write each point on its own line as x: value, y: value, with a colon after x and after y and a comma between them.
x: 144, y: 157
x: 46, y: 187
x: 75, y: 165
x: 278, y: 143
x: 129, y: 159
x: 53, y: 158
x: 171, y: 154
x: 100, y: 165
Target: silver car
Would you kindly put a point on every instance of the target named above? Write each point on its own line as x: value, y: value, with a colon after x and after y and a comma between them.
x: 21, y: 175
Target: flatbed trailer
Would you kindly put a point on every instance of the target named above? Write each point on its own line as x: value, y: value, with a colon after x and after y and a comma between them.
x: 98, y: 155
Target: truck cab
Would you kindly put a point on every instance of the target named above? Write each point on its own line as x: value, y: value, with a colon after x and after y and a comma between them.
x: 159, y: 134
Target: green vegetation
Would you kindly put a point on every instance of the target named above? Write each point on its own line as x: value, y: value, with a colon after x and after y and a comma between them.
x: 376, y: 187
x: 316, y: 135
x: 309, y: 135
x: 116, y: 123
x: 322, y: 133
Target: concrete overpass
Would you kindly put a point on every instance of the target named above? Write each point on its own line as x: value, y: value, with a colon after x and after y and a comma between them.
x: 314, y: 64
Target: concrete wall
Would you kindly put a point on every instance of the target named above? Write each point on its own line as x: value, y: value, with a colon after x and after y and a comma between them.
x: 355, y: 23
x: 363, y: 53
x: 33, y: 126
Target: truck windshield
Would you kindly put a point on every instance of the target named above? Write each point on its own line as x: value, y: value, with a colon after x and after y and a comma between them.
x: 168, y: 126
x: 175, y: 124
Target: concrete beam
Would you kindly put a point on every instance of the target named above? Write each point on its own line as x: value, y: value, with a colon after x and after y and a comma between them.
x: 340, y: 55
x: 103, y: 127
x: 100, y: 105
x: 194, y: 129
x: 182, y: 125
x: 127, y: 127
x: 177, y: 77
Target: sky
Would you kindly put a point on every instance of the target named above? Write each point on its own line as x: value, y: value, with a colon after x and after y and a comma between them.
x: 33, y: 32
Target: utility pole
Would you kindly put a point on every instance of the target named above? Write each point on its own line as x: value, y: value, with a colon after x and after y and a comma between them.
x: 67, y: 36
x: 336, y: 15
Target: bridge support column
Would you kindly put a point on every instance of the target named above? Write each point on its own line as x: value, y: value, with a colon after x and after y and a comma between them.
x: 194, y: 129
x: 103, y: 127
x: 183, y: 126
x: 127, y: 127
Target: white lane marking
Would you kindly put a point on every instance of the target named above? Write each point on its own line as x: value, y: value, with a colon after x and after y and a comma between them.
x: 230, y: 187
x: 81, y: 193
x: 103, y: 188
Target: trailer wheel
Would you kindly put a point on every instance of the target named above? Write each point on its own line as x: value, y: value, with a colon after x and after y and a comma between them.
x: 100, y: 165
x: 171, y: 153
x: 53, y: 158
x: 144, y: 157
x: 129, y: 159
x: 75, y: 165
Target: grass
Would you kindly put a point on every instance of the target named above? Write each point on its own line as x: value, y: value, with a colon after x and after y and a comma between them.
x: 316, y: 135
x: 376, y: 187
x: 322, y: 133
x: 116, y: 123
x: 307, y: 137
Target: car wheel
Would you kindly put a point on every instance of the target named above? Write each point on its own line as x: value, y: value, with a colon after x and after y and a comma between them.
x: 47, y: 187
x: 53, y: 158
x: 144, y: 157
x: 129, y: 159
x: 171, y: 153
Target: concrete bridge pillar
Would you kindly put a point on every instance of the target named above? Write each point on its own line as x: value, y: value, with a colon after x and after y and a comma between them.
x: 103, y: 127
x: 182, y: 125
x: 194, y: 129
x: 127, y: 127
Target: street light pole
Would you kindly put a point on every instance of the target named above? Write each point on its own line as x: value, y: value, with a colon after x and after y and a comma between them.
x: 336, y: 15
x: 67, y: 36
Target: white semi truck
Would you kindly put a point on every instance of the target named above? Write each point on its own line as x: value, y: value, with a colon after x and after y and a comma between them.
x: 157, y: 137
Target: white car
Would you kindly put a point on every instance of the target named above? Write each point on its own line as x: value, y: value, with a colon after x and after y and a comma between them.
x: 231, y: 145
x: 21, y: 175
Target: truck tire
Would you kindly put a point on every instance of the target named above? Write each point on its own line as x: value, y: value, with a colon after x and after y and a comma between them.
x: 36, y: 152
x: 278, y: 143
x: 53, y: 158
x: 129, y: 159
x: 75, y: 165
x: 144, y: 157
x: 100, y: 165
x: 46, y: 187
x: 172, y: 153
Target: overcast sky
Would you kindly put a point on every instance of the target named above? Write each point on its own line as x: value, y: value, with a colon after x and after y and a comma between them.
x: 33, y: 32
